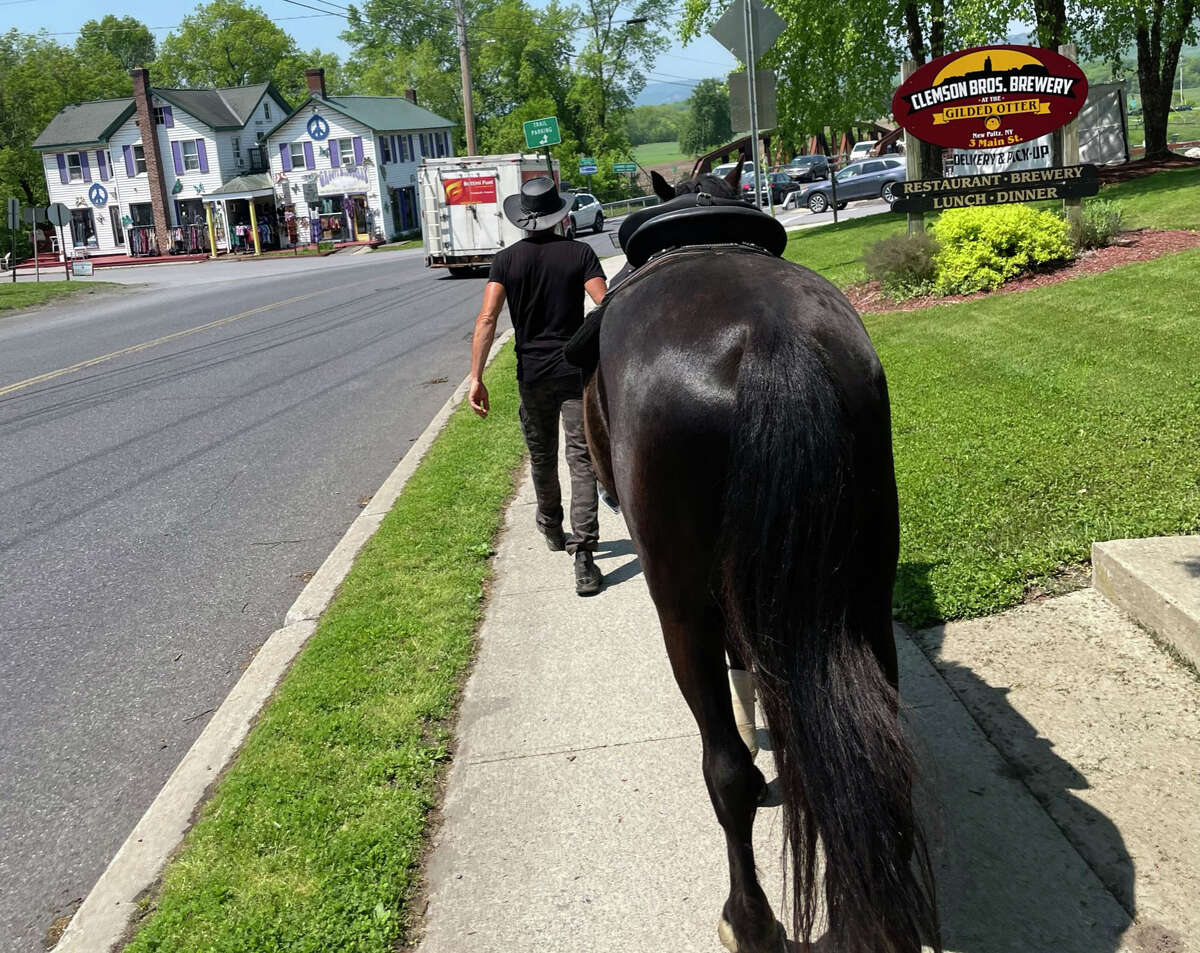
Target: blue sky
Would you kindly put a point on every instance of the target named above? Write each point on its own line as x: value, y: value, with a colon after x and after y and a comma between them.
x: 704, y: 57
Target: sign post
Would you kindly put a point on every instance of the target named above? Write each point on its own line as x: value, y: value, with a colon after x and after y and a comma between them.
x: 59, y: 215
x: 912, y: 155
x: 33, y: 216
x: 14, y: 219
x: 1070, y: 153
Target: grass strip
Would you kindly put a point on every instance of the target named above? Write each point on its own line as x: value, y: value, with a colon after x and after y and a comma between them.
x: 400, y: 246
x: 1169, y: 199
x: 312, y: 840
x: 24, y: 294
x: 1028, y: 425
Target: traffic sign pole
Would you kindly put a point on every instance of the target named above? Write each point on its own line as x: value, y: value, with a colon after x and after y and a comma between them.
x: 14, y: 219
x: 751, y: 61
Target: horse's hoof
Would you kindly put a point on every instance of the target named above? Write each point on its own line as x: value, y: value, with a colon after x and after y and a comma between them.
x: 729, y: 941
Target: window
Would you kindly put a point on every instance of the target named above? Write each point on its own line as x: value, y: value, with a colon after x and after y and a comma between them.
x: 236, y: 143
x: 346, y: 151
x: 266, y: 110
x: 139, y: 161
x: 385, y: 149
x: 74, y: 167
x: 141, y: 214
x: 160, y: 118
x: 114, y: 216
x: 440, y: 138
x: 191, y: 159
x: 297, y: 151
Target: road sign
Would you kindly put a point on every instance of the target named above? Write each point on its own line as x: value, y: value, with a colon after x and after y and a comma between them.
x: 98, y: 195
x: 14, y: 212
x: 59, y: 214
x: 32, y: 216
x: 587, y: 165
x: 624, y: 166
x: 542, y: 132
x: 730, y: 30
x: 739, y: 100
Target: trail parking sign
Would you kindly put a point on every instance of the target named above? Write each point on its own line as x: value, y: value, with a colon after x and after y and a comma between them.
x: 542, y: 132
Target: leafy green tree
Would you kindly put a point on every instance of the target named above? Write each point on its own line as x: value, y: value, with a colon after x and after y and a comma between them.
x: 655, y: 123
x: 127, y: 39
x: 1158, y: 30
x: 707, y: 123
x: 232, y: 43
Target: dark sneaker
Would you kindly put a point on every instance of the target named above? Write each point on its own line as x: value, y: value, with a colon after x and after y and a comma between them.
x: 555, y: 538
x: 587, y: 574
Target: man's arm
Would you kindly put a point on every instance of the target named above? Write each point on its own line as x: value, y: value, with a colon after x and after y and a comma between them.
x: 596, y: 288
x: 481, y: 344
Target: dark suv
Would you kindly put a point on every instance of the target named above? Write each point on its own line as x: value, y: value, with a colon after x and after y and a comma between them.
x: 807, y: 168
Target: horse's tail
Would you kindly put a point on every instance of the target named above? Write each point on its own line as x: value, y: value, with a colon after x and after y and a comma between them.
x: 810, y: 540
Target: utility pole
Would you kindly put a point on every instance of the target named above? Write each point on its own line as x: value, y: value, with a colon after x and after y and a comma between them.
x: 465, y: 64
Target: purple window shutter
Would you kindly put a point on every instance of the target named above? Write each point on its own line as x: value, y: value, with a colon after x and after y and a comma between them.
x: 177, y: 153
x: 62, y: 168
x: 335, y: 159
x: 202, y: 154
x: 358, y: 152
x: 308, y: 156
x: 285, y: 156
x: 83, y: 166
x: 101, y: 165
x: 168, y: 117
x: 130, y: 168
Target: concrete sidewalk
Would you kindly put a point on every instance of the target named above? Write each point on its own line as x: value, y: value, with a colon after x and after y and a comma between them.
x: 1058, y: 744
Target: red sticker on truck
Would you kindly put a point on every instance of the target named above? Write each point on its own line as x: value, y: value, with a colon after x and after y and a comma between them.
x: 990, y: 97
x: 470, y: 190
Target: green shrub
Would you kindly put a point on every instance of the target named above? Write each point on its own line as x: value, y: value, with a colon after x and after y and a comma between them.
x: 1101, y: 223
x: 981, y: 248
x: 904, y: 265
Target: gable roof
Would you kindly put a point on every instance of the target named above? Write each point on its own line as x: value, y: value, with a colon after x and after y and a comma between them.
x: 81, y: 124
x: 227, y: 108
x: 376, y: 112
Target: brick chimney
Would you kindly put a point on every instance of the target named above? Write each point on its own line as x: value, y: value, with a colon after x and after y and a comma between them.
x: 411, y: 95
x: 154, y: 168
x: 316, y: 82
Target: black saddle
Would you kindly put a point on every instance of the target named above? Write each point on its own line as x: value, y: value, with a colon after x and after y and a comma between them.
x: 698, y: 219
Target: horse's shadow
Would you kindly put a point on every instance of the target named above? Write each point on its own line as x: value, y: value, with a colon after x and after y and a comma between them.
x: 607, y: 549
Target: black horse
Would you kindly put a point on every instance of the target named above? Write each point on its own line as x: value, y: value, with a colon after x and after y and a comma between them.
x: 740, y: 415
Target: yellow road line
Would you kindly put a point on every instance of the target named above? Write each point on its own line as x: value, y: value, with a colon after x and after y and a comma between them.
x: 91, y: 362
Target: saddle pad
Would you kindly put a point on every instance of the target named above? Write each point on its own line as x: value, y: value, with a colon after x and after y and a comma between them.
x: 711, y: 225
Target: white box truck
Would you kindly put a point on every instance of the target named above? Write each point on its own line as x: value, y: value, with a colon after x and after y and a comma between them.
x: 462, y: 214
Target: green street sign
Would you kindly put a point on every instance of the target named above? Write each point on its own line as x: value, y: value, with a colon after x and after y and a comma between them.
x: 542, y: 132
x: 624, y: 166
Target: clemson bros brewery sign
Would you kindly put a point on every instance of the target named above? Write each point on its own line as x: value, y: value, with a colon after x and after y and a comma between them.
x: 990, y: 96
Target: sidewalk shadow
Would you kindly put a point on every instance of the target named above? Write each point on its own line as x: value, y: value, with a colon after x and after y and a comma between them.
x: 1005, y: 880
x: 608, y: 549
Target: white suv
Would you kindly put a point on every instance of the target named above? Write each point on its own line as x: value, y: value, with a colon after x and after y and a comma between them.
x: 586, y: 213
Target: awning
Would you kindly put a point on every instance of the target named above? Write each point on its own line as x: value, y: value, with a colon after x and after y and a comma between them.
x: 254, y: 186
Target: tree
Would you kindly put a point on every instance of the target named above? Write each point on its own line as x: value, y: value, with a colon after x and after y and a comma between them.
x: 230, y: 43
x: 655, y: 123
x: 126, y: 39
x: 707, y: 121
x: 1158, y: 29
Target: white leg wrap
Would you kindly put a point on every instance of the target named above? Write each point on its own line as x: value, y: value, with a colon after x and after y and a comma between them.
x: 741, y: 688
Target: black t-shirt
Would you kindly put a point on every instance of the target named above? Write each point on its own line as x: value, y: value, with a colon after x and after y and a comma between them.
x: 543, y: 277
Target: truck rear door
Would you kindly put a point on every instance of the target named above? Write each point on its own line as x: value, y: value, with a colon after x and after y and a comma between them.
x: 470, y: 210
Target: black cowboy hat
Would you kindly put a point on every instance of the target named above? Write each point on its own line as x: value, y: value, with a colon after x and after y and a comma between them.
x: 539, y: 206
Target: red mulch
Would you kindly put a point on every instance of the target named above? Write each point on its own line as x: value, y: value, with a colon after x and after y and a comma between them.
x: 1139, y: 245
x: 1139, y: 167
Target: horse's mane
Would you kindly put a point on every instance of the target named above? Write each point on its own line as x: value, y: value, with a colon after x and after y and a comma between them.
x: 714, y: 185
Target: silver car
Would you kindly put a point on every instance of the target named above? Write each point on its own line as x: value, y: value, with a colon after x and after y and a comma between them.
x: 586, y: 213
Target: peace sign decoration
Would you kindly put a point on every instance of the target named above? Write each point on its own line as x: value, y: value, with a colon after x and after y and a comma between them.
x: 318, y: 128
x: 98, y: 195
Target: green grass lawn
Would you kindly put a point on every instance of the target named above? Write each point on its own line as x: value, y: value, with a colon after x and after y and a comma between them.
x: 1028, y: 425
x: 659, y: 153
x: 312, y: 840
x: 25, y: 294
x: 400, y: 246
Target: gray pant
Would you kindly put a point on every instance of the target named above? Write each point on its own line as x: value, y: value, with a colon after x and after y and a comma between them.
x: 541, y: 404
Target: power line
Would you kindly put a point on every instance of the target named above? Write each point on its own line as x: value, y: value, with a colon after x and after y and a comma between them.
x: 155, y: 29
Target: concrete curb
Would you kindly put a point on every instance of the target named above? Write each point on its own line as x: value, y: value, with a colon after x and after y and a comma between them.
x: 108, y: 909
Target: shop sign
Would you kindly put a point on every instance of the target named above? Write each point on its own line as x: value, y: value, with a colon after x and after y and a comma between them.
x: 990, y: 97
x: 311, y: 195
x: 470, y: 190
x: 997, y: 188
x: 348, y: 178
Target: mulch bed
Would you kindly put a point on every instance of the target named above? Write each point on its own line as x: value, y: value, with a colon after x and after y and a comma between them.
x: 1141, y: 167
x: 1139, y: 245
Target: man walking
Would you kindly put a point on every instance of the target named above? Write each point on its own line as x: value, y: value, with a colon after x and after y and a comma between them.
x: 543, y: 277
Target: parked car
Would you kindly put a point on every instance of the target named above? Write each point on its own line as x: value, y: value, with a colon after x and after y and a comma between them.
x: 867, y: 179
x: 586, y: 213
x: 860, y: 150
x: 724, y: 169
x: 781, y: 185
x: 807, y: 168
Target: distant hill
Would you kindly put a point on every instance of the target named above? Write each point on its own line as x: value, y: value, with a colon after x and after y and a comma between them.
x: 656, y: 94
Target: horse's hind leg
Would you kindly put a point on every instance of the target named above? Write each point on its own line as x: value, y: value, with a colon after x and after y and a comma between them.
x: 695, y: 645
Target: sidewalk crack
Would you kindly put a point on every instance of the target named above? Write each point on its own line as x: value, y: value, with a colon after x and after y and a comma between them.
x: 558, y: 751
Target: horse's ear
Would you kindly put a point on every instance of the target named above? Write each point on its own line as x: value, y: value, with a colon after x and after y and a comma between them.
x: 662, y: 188
x: 734, y: 175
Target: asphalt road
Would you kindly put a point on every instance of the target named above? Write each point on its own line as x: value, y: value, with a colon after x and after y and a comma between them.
x: 162, y: 508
